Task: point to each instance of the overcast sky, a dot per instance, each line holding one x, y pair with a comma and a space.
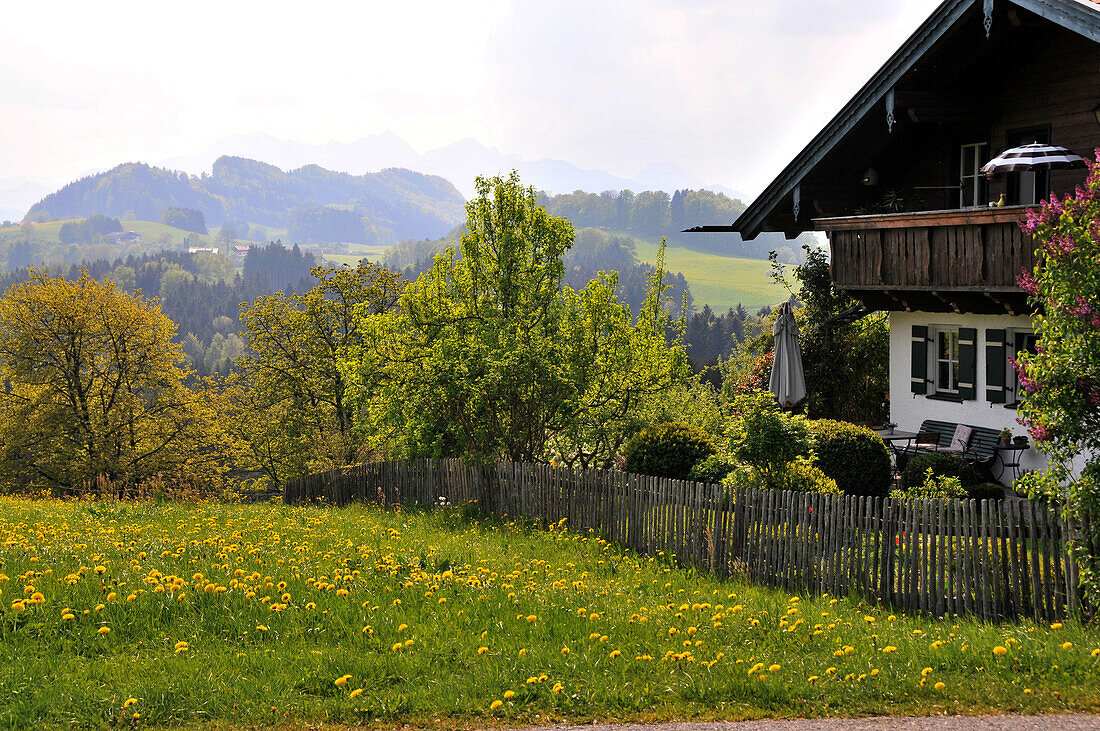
729, 89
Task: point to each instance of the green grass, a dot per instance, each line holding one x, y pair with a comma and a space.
149, 231
719, 281
432, 617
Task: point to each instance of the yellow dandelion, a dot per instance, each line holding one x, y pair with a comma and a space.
531, 618
999, 650
355, 693
396, 646
103, 630
565, 650
509, 694
926, 672
482, 650
615, 654
773, 669
939, 686
558, 688
68, 615
342, 680
1056, 625
496, 704
889, 648
129, 702
402, 627
1067, 645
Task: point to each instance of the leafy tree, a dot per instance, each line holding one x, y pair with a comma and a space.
1062, 378
845, 353
95, 387
490, 357
187, 219
766, 439
297, 417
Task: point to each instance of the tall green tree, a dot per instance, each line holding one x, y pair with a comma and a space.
489, 356
292, 370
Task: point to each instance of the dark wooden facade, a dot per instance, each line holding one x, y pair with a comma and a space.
888, 194
956, 260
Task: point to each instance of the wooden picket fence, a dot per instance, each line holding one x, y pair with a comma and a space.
995, 559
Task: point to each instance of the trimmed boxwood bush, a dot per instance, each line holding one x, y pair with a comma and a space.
941, 464
804, 476
986, 491
667, 450
712, 470
852, 455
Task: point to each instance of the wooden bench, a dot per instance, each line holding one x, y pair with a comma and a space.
979, 452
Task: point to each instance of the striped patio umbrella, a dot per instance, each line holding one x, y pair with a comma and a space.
1035, 156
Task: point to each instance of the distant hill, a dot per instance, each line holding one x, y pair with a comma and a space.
312, 203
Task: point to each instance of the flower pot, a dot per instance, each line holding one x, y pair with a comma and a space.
1005, 441
1020, 441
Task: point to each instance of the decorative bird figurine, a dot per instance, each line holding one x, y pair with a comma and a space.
1001, 201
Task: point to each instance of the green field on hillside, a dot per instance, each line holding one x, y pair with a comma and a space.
719, 281
149, 231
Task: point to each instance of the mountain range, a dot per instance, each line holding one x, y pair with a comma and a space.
310, 202
459, 162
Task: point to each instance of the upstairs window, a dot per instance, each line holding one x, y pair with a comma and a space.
972, 183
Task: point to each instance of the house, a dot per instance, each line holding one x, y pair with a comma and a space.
202, 249
894, 182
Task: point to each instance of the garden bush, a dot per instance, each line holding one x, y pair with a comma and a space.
852, 455
802, 475
986, 491
942, 465
934, 487
765, 438
671, 450
712, 469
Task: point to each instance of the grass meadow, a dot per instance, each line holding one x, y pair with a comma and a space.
719, 281
134, 614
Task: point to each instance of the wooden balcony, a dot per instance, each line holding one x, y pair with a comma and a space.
936, 261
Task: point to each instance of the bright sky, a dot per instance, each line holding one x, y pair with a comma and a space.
729, 89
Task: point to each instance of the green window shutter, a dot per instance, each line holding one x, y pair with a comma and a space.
919, 372
995, 366
968, 363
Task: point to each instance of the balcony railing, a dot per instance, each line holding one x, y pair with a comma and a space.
938, 256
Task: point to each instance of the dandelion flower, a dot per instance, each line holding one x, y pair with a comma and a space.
615, 654
509, 694
342, 680
558, 688
773, 669
355, 693
999, 650
103, 630
482, 650
939, 686
129, 702
1056, 625
926, 672
531, 618
68, 615
889, 648
402, 627
565, 650
1067, 645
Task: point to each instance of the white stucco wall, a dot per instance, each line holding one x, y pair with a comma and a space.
908, 410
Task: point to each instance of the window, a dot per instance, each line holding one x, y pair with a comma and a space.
947, 360
1020, 341
972, 183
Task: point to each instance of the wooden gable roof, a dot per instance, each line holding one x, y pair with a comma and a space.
1079, 16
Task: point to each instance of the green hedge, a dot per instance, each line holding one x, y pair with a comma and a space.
852, 455
942, 464
671, 450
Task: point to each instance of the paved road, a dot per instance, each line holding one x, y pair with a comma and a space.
924, 723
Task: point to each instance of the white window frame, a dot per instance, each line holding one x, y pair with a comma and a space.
1011, 377
972, 178
935, 359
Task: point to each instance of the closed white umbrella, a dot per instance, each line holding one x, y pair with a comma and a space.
788, 381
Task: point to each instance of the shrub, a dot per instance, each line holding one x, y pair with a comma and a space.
986, 491
934, 486
712, 469
802, 475
941, 464
852, 455
671, 450
765, 438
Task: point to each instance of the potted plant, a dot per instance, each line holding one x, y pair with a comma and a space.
888, 427
1020, 441
1006, 437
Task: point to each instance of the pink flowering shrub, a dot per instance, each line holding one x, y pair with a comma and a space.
1061, 408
